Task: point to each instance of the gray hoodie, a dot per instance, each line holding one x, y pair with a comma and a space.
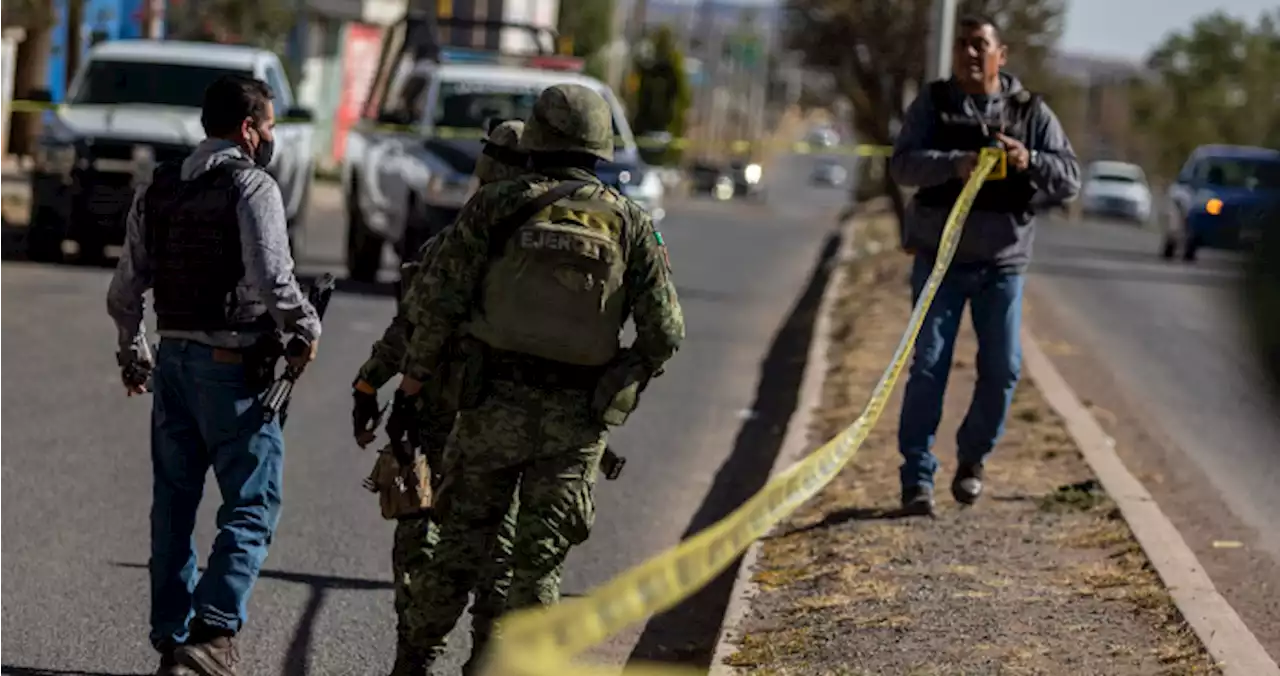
989, 237
264, 242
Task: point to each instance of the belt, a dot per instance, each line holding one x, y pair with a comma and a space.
535, 372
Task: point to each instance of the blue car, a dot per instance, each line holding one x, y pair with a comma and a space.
1221, 199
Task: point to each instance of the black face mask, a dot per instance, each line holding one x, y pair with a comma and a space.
266, 148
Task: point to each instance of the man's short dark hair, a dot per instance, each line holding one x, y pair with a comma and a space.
229, 100
970, 22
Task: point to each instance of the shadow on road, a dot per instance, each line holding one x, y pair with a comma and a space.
295, 659
1180, 275
688, 632
1086, 252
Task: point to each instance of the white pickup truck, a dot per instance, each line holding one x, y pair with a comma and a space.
132, 104
407, 167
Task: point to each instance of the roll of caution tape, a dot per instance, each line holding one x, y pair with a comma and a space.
542, 641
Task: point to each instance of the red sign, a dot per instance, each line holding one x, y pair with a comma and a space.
359, 68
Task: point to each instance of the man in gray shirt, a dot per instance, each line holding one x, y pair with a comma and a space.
945, 129
208, 237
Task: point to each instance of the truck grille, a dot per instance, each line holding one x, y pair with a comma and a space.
115, 149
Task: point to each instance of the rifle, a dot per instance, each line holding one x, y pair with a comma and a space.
276, 400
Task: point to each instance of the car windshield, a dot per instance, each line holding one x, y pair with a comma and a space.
1250, 174
108, 82
469, 105
1114, 178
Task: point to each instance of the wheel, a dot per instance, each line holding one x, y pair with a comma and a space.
91, 251
44, 237
364, 247
1168, 249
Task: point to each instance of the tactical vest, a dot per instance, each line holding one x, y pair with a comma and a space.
554, 290
193, 241
956, 129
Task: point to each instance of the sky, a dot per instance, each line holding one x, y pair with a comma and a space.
1129, 29
1123, 29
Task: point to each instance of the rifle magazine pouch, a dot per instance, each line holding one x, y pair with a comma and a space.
617, 395
403, 490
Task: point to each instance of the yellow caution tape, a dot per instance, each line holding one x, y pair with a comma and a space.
542, 641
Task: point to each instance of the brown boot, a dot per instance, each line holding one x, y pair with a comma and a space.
169, 664
216, 656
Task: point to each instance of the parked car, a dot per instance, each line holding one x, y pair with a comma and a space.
1116, 190
829, 173
706, 178
823, 137
132, 104
1219, 198
407, 168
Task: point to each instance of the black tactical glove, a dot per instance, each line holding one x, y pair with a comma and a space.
365, 415
402, 424
134, 373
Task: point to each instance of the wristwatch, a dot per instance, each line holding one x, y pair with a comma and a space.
1034, 158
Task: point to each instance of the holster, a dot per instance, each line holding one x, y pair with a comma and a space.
617, 393
402, 480
260, 361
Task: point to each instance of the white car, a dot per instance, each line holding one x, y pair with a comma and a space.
407, 167
133, 104
1116, 190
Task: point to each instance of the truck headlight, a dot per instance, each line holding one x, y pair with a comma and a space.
752, 173
55, 158
451, 191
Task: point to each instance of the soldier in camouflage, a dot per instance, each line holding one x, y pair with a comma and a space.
415, 535
539, 273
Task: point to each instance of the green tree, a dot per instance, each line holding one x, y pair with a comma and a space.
662, 96
876, 51
261, 23
1214, 83
589, 25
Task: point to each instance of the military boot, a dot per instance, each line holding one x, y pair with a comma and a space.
209, 655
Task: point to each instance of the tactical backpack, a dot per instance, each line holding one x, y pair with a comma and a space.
554, 286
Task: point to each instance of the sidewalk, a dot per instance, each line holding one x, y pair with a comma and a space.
1041, 577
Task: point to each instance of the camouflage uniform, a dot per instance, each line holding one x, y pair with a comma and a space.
542, 440
415, 537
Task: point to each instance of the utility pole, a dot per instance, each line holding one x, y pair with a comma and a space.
943, 30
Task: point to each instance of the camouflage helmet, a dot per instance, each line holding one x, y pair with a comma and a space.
570, 117
502, 158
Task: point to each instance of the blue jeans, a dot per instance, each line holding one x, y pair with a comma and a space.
995, 303
205, 415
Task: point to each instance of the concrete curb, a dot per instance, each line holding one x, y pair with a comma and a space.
795, 444
1230, 643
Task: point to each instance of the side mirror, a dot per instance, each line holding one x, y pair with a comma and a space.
40, 96
297, 114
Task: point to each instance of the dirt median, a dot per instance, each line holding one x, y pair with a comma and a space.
1041, 577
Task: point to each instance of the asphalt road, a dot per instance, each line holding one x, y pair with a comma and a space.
1160, 349
78, 475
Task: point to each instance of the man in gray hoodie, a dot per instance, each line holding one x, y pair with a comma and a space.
207, 236
937, 149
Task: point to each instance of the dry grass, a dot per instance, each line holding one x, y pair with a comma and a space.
1041, 577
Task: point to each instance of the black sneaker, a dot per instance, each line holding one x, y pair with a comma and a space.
967, 485
917, 501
